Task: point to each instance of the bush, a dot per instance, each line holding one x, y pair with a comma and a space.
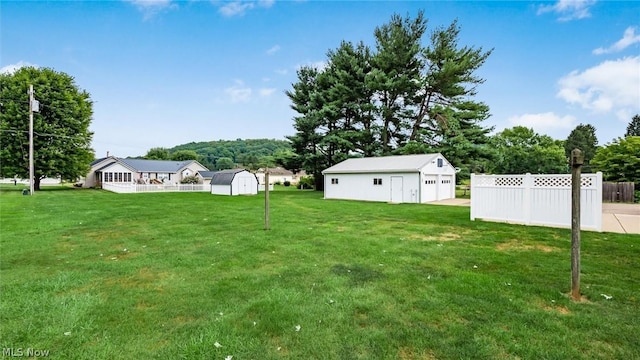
306, 182
636, 196
287, 183
191, 180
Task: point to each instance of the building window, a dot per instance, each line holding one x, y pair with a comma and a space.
429, 182
334, 181
440, 162
377, 181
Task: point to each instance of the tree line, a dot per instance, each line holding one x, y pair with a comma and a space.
225, 154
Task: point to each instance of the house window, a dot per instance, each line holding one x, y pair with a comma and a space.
377, 181
440, 162
429, 182
334, 181
128, 177
110, 177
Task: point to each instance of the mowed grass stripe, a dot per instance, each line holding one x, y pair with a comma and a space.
362, 280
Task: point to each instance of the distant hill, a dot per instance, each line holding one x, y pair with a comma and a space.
250, 153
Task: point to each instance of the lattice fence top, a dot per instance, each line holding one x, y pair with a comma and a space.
509, 181
552, 181
560, 181
497, 180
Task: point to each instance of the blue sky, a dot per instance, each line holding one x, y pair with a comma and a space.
164, 73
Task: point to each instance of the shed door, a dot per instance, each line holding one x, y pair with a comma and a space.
244, 187
396, 189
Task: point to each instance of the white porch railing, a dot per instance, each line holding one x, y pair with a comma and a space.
140, 188
536, 199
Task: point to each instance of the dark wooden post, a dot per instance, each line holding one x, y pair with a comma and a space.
576, 169
266, 200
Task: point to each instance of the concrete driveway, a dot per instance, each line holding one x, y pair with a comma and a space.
621, 218
616, 217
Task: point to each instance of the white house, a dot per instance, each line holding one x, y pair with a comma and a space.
397, 179
279, 175
118, 170
234, 182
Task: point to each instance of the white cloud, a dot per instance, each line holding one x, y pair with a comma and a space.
281, 71
266, 92
239, 92
151, 8
274, 49
612, 86
543, 122
240, 7
12, 68
629, 38
569, 9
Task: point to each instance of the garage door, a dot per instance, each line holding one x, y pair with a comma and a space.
430, 188
446, 187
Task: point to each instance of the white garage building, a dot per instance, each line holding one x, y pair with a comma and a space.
397, 179
234, 182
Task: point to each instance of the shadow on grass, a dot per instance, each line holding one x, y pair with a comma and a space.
357, 274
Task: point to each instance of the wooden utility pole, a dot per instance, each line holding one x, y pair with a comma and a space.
576, 169
266, 200
31, 170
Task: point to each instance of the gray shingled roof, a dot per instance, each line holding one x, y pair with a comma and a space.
399, 163
224, 177
164, 166
206, 174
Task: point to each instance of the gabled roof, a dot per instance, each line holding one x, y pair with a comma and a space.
224, 177
165, 166
398, 163
144, 165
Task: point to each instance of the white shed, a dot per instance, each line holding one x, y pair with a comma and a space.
397, 179
234, 182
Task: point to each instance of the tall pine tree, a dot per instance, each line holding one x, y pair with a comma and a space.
402, 98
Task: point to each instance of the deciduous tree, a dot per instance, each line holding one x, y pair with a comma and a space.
619, 160
521, 150
182, 155
62, 140
157, 153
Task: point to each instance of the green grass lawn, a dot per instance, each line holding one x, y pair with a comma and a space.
88, 274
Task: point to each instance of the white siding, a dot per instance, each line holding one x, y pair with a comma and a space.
361, 187
356, 182
221, 189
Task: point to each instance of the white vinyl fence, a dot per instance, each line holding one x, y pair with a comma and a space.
141, 188
536, 199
